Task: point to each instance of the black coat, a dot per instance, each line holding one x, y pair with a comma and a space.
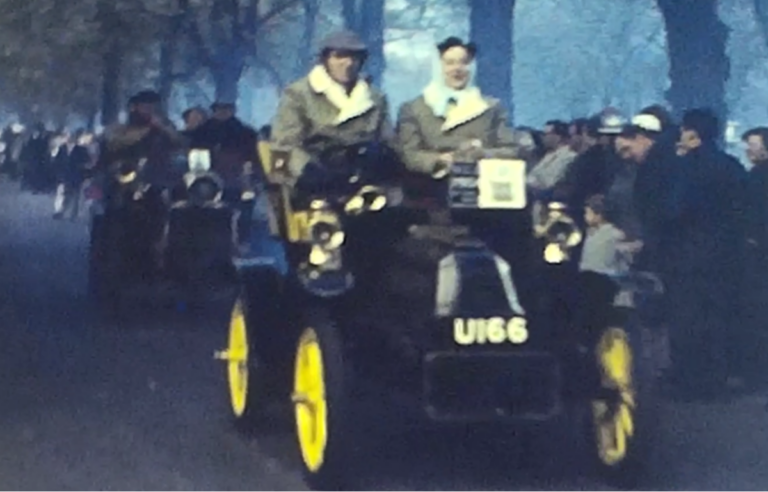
642, 202
231, 143
757, 205
591, 173
70, 166
710, 215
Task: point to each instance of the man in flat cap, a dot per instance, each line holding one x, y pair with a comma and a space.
147, 134
234, 157
332, 106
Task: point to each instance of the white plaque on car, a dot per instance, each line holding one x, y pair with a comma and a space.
501, 184
199, 160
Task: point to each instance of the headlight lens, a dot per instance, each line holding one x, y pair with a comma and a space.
127, 178
560, 232
327, 235
204, 190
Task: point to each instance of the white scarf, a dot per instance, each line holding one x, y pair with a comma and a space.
469, 101
351, 105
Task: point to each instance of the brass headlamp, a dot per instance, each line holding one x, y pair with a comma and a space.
326, 236
560, 232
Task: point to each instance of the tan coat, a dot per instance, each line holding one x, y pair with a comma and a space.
423, 136
316, 113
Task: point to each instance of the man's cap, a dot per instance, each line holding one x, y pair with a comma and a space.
611, 124
647, 122
222, 105
343, 40
145, 97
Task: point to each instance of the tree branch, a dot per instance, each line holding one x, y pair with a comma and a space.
196, 37
761, 13
264, 19
267, 66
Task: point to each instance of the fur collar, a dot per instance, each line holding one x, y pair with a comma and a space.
470, 105
357, 103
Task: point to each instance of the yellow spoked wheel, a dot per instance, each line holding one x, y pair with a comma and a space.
237, 360
614, 422
309, 399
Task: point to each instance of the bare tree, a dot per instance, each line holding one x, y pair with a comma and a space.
491, 28
699, 65
367, 19
225, 38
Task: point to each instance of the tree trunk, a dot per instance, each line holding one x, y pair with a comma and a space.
111, 28
306, 54
491, 23
168, 50
350, 15
699, 65
761, 16
372, 30
226, 79
110, 93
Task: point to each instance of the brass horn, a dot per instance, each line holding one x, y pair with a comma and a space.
368, 199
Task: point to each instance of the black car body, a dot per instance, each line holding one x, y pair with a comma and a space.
474, 310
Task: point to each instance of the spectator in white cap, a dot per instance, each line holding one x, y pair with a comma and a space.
643, 199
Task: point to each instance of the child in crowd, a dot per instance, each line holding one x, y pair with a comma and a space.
605, 250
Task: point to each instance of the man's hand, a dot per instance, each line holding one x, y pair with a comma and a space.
442, 166
157, 121
446, 159
470, 145
630, 247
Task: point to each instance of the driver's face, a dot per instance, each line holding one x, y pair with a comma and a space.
343, 66
194, 119
144, 110
224, 113
455, 62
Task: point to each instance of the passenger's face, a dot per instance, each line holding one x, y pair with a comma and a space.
455, 62
343, 66
550, 139
689, 140
633, 149
194, 119
223, 113
756, 151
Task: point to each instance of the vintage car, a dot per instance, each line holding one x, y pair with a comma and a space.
141, 231
449, 291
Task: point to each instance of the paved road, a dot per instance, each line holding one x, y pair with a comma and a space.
86, 406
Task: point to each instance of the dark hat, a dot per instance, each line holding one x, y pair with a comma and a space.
453, 42
145, 97
222, 105
596, 203
344, 40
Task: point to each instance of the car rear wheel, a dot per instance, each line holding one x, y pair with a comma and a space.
319, 399
104, 266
